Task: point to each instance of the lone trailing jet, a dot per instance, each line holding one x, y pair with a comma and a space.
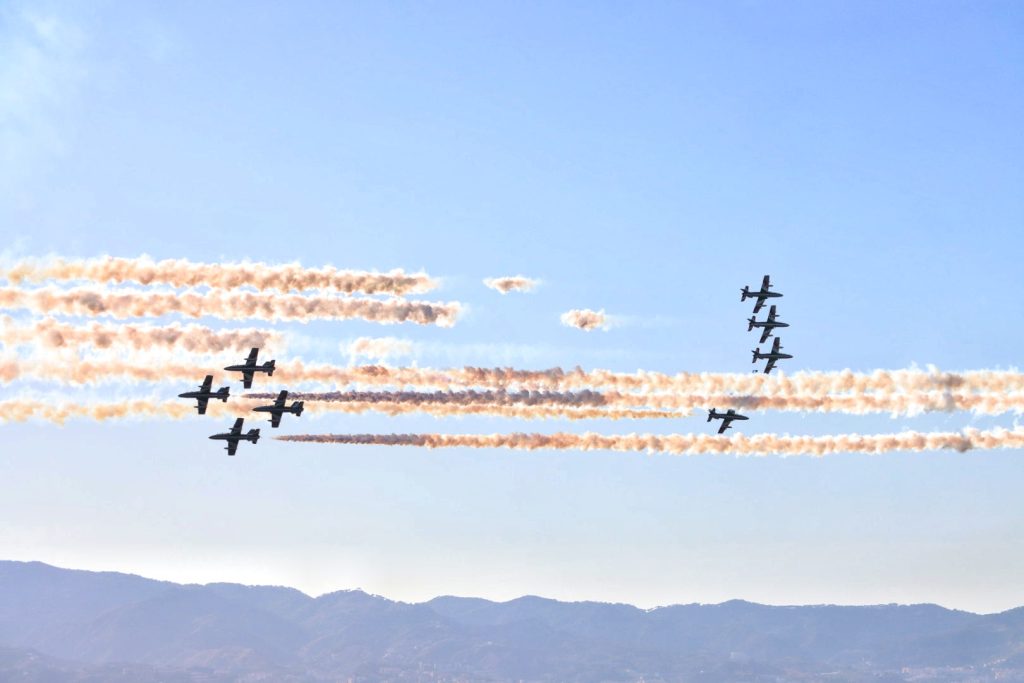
769, 325
761, 295
236, 435
204, 394
772, 355
278, 409
249, 368
726, 418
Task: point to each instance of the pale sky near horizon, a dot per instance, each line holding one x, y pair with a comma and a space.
648, 160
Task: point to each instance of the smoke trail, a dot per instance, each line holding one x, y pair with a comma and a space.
229, 305
586, 319
21, 410
513, 283
857, 404
500, 397
192, 338
184, 273
692, 444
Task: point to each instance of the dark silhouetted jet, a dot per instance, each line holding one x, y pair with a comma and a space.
249, 368
236, 435
278, 409
760, 295
204, 394
726, 418
772, 355
770, 324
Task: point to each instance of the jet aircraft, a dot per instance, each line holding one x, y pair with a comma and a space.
236, 435
761, 295
249, 368
772, 356
769, 325
279, 408
726, 418
204, 394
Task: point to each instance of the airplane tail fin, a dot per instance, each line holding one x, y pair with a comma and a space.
269, 365
298, 408
744, 293
253, 435
710, 412
223, 394
755, 352
750, 323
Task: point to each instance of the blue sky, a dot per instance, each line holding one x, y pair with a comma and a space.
648, 160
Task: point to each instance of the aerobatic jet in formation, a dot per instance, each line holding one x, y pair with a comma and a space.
249, 368
761, 295
236, 435
278, 409
204, 394
726, 418
769, 324
772, 356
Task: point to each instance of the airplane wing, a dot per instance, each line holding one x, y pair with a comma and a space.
202, 405
207, 383
725, 425
765, 333
237, 428
275, 420
281, 398
759, 304
776, 346
771, 363
232, 447
251, 360
247, 379
766, 284
771, 314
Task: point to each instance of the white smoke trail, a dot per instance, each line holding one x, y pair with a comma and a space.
377, 348
53, 334
512, 283
184, 273
228, 305
586, 319
692, 444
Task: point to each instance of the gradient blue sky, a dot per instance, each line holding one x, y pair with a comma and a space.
649, 159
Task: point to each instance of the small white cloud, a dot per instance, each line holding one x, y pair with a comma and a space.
512, 283
378, 349
587, 320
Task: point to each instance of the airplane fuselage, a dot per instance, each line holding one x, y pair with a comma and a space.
772, 324
293, 408
211, 395
722, 416
771, 356
249, 368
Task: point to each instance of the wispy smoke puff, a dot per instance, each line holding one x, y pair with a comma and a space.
692, 444
229, 305
378, 348
50, 333
20, 410
184, 273
512, 283
586, 319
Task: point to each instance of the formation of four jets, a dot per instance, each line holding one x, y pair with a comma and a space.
768, 326
248, 369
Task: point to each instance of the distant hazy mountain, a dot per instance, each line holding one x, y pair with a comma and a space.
65, 625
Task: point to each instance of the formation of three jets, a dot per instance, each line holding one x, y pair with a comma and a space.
248, 369
768, 326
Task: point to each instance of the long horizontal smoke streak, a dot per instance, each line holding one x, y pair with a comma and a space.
691, 444
184, 273
50, 333
226, 304
557, 379
20, 410
858, 404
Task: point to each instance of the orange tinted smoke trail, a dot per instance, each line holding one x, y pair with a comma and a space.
691, 444
50, 333
227, 305
184, 273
